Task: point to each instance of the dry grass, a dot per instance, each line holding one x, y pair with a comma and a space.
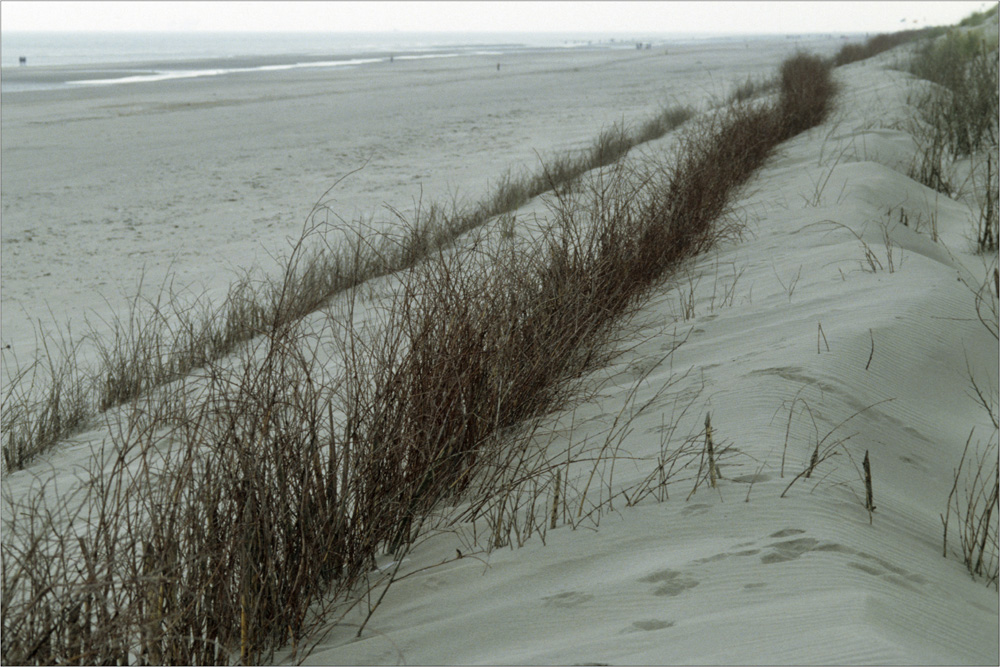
973, 499
157, 341
46, 400
957, 119
877, 44
975, 504
241, 508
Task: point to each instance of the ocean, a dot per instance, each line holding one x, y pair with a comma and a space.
61, 59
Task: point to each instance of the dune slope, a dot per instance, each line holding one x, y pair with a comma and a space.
832, 322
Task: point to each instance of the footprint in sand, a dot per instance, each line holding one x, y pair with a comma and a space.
566, 600
751, 479
696, 508
880, 567
647, 626
723, 556
789, 550
671, 582
787, 532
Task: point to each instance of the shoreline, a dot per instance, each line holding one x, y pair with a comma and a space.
56, 77
16, 79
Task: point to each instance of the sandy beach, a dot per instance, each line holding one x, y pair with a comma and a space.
198, 178
843, 313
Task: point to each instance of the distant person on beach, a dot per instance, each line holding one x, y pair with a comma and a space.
498, 67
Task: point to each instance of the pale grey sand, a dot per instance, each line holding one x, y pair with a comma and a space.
194, 177
737, 575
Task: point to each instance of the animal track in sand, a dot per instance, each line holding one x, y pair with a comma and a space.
435, 582
566, 600
787, 532
671, 582
723, 556
880, 567
796, 375
789, 550
751, 479
653, 624
697, 508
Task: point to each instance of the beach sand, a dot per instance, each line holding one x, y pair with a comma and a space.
198, 176
107, 186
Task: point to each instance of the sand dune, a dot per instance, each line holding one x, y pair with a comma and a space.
791, 334
803, 579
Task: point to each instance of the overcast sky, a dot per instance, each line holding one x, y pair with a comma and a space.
501, 16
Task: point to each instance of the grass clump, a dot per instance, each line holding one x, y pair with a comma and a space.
974, 501
853, 52
751, 89
32, 425
978, 18
806, 90
957, 120
964, 114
